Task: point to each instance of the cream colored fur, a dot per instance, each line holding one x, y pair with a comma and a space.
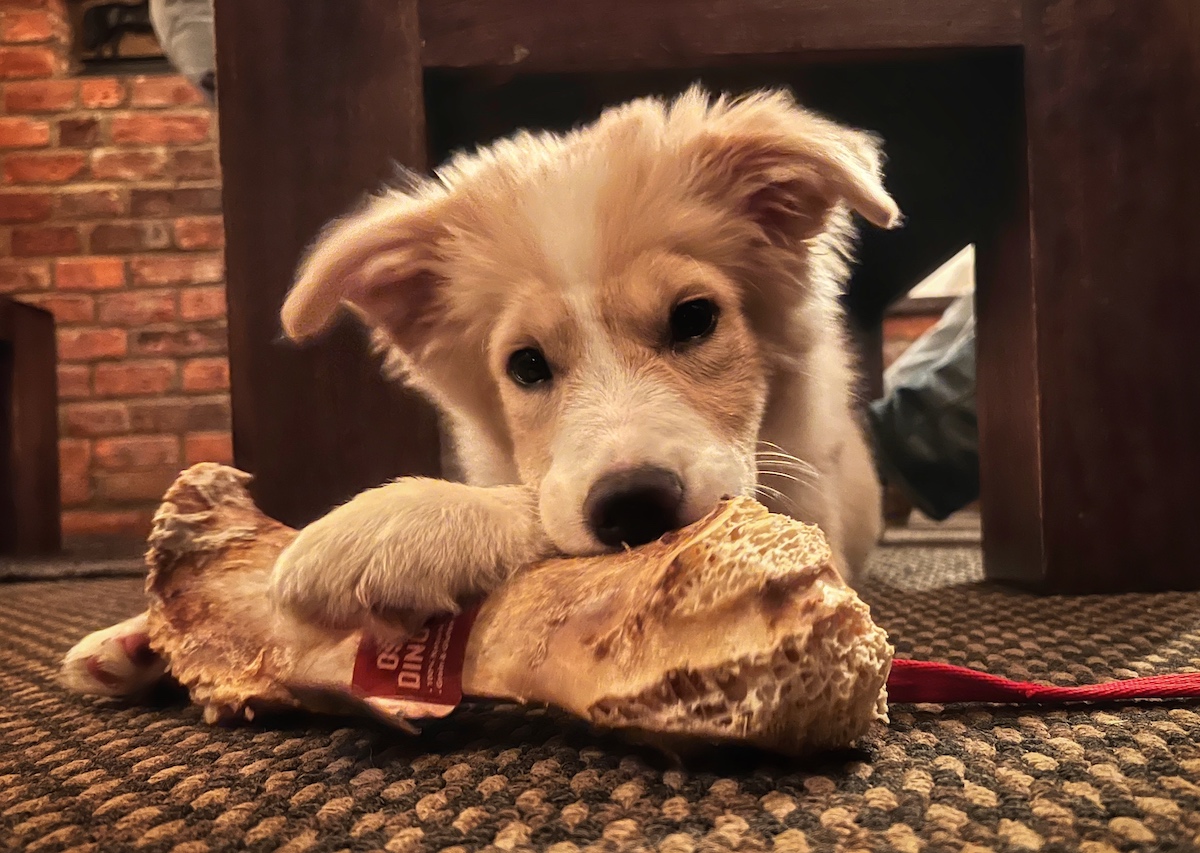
578, 244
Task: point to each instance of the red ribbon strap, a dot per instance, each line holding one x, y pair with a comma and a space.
925, 681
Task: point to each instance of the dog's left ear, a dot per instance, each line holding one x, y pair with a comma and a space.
788, 168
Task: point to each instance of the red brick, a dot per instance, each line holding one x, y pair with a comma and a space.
37, 240
134, 378
206, 374
199, 232
23, 132
74, 470
126, 523
198, 339
67, 308
90, 344
28, 63
25, 207
34, 240
161, 270
44, 168
160, 128
90, 204
28, 25
129, 237
114, 165
22, 276
194, 164
189, 414
57, 6
165, 91
41, 96
136, 452
89, 420
178, 201
138, 308
74, 381
89, 273
79, 132
202, 303
101, 93
208, 447
137, 486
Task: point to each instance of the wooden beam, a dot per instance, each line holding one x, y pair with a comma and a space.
30, 509
317, 102
587, 35
1088, 304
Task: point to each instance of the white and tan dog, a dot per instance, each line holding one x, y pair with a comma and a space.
622, 325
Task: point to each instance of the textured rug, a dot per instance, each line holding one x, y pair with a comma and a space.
49, 568
95, 776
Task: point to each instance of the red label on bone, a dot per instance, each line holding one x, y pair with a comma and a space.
419, 677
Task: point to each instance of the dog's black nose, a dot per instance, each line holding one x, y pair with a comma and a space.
634, 507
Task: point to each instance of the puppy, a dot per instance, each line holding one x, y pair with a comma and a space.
621, 325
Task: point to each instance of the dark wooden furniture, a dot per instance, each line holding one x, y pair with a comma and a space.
30, 522
315, 107
1089, 296
1056, 134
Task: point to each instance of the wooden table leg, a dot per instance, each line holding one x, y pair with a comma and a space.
1089, 294
318, 101
30, 509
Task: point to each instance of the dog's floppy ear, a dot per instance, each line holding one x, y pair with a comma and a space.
380, 263
787, 168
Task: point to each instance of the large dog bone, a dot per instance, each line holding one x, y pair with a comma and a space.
735, 629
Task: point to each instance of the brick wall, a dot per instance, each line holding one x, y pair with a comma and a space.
110, 218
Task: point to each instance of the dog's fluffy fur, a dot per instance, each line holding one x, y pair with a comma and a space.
580, 245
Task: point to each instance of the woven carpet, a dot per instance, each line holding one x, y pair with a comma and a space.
95, 776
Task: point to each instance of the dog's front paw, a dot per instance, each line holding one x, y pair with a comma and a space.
395, 555
351, 569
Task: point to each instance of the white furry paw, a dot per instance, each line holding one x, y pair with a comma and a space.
116, 661
394, 555
370, 560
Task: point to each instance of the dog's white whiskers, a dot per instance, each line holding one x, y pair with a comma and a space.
787, 476
806, 475
786, 461
776, 450
768, 491
765, 460
781, 459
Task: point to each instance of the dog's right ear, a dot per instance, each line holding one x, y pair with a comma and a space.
381, 263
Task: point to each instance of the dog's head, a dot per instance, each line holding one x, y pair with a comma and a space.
605, 310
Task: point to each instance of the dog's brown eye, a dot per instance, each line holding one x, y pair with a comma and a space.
528, 367
693, 320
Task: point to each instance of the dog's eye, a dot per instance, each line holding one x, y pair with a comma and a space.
693, 320
528, 367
